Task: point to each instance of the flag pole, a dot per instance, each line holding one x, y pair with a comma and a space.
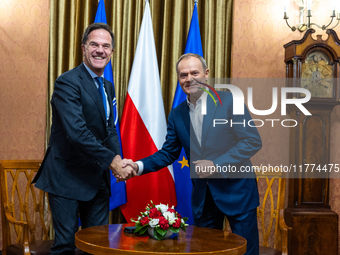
181, 169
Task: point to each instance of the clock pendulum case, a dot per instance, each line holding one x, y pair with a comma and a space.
313, 65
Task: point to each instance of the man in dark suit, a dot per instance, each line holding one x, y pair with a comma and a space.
83, 143
215, 194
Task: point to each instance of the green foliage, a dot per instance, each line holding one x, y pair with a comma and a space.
143, 230
160, 231
157, 235
175, 230
140, 228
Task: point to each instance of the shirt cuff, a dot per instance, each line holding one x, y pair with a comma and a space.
140, 167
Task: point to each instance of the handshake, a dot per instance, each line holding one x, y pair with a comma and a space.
123, 169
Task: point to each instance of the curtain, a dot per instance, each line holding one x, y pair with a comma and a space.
171, 21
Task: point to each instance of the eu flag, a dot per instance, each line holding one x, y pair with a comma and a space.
118, 191
183, 182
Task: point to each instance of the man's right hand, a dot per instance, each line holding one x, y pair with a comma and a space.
123, 173
127, 163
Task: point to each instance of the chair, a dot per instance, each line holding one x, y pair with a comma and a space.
273, 231
26, 216
25, 212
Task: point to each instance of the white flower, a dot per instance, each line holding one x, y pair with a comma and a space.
139, 218
153, 222
162, 208
170, 217
182, 221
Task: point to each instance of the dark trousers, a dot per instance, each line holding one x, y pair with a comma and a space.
244, 224
66, 212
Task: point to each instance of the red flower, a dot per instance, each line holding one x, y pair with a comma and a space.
178, 215
177, 223
144, 221
163, 223
154, 213
171, 210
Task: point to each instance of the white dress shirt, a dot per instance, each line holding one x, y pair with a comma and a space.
196, 116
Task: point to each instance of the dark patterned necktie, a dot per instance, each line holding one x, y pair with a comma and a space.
100, 81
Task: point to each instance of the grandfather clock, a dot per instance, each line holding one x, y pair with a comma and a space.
312, 64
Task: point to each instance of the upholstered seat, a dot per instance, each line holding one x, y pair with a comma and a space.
269, 251
36, 248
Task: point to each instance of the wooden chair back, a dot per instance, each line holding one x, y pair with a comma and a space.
273, 231
25, 212
270, 212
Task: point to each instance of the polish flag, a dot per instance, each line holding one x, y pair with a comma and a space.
143, 126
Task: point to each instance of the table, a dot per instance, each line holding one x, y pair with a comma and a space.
111, 239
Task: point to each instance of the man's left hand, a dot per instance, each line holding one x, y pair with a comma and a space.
205, 167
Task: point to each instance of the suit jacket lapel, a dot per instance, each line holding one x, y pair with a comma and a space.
185, 117
208, 118
89, 85
187, 123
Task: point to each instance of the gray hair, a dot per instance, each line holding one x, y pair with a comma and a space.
188, 55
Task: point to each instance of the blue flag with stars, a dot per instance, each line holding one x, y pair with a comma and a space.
118, 190
183, 182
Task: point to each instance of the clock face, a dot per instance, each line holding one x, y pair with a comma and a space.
317, 75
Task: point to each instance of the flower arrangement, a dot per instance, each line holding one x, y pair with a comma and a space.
160, 221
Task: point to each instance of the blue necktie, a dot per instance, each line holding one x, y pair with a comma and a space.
100, 81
